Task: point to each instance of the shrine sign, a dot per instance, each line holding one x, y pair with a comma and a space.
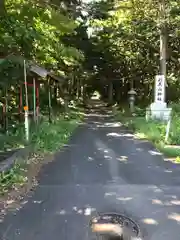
159, 89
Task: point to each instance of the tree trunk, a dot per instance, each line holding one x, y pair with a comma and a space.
2, 8
163, 39
110, 92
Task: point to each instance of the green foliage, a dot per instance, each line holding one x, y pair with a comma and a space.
49, 137
14, 139
35, 32
170, 151
15, 176
46, 138
155, 130
125, 46
175, 126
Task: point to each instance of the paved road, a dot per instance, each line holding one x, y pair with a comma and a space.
105, 169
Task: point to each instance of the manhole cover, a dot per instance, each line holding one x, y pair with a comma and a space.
115, 226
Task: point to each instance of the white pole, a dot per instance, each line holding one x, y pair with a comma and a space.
26, 119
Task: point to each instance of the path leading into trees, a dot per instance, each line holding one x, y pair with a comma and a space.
104, 168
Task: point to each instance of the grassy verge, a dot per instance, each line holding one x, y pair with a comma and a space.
46, 138
49, 137
13, 139
155, 130
13, 178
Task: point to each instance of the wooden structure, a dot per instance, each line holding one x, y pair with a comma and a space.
50, 79
35, 77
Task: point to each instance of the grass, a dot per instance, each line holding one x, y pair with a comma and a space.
154, 130
46, 138
15, 176
170, 151
13, 139
49, 137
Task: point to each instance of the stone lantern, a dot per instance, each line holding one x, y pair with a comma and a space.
132, 93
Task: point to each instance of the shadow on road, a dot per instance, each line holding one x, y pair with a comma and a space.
104, 168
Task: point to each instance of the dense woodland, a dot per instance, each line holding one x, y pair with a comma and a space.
108, 46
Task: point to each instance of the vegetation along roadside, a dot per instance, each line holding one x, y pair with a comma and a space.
46, 139
154, 130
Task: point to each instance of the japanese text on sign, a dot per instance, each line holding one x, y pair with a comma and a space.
159, 88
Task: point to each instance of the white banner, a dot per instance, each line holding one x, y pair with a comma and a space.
159, 89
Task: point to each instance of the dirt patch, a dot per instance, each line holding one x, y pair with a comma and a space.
13, 200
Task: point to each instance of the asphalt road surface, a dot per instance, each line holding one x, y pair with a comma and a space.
104, 168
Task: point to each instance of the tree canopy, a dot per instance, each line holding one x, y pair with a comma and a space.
101, 42
125, 44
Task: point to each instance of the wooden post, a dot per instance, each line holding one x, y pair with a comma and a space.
3, 116
78, 88
37, 102
110, 92
49, 94
6, 110
34, 99
20, 102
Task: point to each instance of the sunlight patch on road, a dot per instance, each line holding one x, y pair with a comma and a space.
62, 212
122, 158
105, 151
82, 211
168, 171
90, 159
166, 203
39, 202
117, 124
113, 164
109, 125
174, 216
124, 198
157, 201
79, 211
113, 134
110, 194
175, 202
150, 221
107, 157
154, 153
139, 149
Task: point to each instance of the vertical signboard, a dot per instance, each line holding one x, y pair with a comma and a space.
159, 89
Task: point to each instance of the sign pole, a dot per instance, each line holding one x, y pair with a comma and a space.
26, 119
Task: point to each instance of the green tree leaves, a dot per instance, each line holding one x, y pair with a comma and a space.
34, 30
126, 41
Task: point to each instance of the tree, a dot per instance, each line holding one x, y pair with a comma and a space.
125, 44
